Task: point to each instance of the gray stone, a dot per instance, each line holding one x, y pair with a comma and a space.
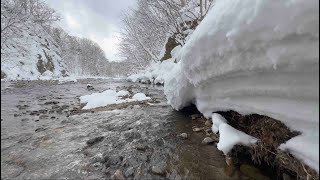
207, 140
183, 135
95, 140
129, 172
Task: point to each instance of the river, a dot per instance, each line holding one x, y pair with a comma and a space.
42, 137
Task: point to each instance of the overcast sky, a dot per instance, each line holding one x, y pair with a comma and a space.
98, 20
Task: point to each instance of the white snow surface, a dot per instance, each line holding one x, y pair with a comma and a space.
156, 72
217, 120
140, 97
108, 97
230, 136
255, 56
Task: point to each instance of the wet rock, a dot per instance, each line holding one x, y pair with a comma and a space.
141, 147
90, 87
51, 102
183, 135
65, 106
159, 169
95, 140
33, 113
118, 175
196, 129
24, 119
252, 172
229, 169
16, 115
129, 172
208, 130
40, 129
43, 111
55, 107
43, 116
114, 160
207, 123
52, 117
51, 111
207, 140
36, 120
195, 116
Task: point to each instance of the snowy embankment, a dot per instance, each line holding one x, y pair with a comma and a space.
109, 97
155, 74
255, 57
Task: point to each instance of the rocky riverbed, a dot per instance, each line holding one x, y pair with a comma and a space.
46, 135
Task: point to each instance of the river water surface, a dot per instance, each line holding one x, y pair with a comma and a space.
42, 139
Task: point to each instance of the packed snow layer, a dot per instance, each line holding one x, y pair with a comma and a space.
156, 73
259, 57
217, 120
109, 97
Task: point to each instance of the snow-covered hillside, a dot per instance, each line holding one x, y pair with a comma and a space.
27, 50
33, 57
255, 57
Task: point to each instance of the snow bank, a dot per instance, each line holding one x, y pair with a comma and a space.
109, 97
156, 73
217, 120
255, 57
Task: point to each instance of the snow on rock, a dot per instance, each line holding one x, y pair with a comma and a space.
255, 57
108, 97
140, 97
230, 136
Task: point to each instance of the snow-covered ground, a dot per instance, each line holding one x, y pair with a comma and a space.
110, 97
255, 57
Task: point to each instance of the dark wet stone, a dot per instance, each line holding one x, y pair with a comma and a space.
52, 117
36, 120
141, 147
55, 107
114, 160
64, 106
40, 129
43, 116
51, 102
43, 111
95, 140
24, 119
16, 115
51, 111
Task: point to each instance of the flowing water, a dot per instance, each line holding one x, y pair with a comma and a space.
42, 139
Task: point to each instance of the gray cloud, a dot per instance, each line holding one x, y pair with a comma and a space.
98, 20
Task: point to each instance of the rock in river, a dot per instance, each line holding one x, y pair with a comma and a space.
95, 140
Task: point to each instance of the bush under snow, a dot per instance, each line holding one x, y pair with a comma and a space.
255, 57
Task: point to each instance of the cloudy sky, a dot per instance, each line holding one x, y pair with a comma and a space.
98, 20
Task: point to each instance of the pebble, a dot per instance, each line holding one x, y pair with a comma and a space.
207, 123
129, 172
207, 140
159, 169
95, 140
197, 129
118, 175
43, 116
183, 135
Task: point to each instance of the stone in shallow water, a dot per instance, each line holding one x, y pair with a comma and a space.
207, 140
159, 169
95, 140
183, 135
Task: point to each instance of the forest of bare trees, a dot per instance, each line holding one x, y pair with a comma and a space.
154, 23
